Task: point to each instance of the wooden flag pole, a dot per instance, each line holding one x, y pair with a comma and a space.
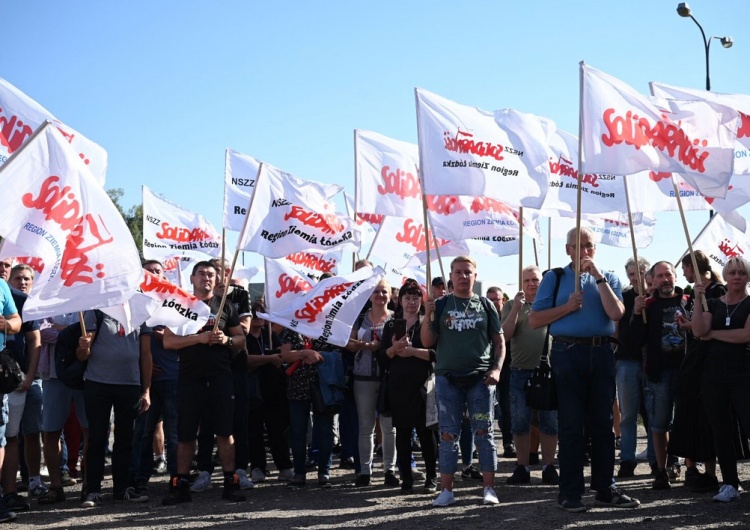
440, 259
83, 324
355, 255
536, 254
577, 258
549, 243
223, 254
520, 248
641, 290
689, 241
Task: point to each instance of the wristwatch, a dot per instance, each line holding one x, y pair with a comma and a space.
601, 280
230, 342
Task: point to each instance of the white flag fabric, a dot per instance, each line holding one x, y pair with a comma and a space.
328, 311
386, 177
289, 215
471, 217
399, 240
468, 151
20, 116
719, 240
54, 209
368, 223
739, 102
283, 285
176, 308
315, 263
170, 230
625, 132
614, 232
240, 172
498, 246
397, 277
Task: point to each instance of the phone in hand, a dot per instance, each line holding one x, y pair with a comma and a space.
399, 328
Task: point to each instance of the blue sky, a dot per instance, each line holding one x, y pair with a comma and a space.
167, 86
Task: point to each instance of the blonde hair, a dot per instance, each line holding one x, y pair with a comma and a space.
463, 259
736, 263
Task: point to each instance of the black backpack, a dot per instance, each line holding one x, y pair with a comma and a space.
69, 369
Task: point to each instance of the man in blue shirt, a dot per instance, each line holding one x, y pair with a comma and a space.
582, 324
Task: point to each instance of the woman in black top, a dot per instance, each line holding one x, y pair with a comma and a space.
725, 383
407, 366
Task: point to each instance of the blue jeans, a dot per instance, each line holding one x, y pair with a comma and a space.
659, 398
163, 407
630, 378
480, 400
520, 413
299, 414
585, 378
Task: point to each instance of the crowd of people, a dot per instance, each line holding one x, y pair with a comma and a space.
432, 371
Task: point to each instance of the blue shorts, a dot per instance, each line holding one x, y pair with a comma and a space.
31, 423
520, 413
56, 400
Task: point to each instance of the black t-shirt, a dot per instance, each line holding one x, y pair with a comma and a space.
737, 314
270, 377
241, 301
202, 360
630, 350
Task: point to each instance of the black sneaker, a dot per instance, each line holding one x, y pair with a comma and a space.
430, 485
131, 495
627, 469
296, 484
407, 489
550, 476
471, 472
362, 481
509, 451
614, 498
572, 506
661, 481
179, 492
521, 475
16, 503
703, 483
391, 479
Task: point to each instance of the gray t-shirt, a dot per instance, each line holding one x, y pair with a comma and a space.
115, 357
527, 343
464, 328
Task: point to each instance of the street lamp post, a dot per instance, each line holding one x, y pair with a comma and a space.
684, 11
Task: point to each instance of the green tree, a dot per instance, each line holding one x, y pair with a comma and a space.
133, 217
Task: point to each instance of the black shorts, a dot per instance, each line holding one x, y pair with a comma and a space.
209, 397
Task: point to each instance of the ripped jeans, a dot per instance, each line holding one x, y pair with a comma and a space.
452, 401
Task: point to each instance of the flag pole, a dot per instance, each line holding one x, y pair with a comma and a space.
689, 241
237, 250
641, 286
439, 259
549, 243
577, 260
536, 254
223, 254
374, 240
355, 254
26, 143
520, 248
424, 201
83, 324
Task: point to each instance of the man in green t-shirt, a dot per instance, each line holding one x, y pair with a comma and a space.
469, 351
527, 345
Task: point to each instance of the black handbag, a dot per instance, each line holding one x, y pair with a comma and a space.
541, 390
11, 375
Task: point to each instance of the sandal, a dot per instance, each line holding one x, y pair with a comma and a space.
52, 496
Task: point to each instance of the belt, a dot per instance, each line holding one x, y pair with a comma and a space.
587, 341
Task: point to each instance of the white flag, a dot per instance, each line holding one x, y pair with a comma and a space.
481, 217
719, 240
387, 181
468, 151
290, 215
239, 182
625, 132
739, 102
177, 309
614, 232
170, 230
328, 311
399, 240
397, 277
283, 285
54, 209
315, 263
20, 116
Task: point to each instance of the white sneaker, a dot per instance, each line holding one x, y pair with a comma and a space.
727, 493
92, 500
445, 498
202, 483
257, 475
489, 497
244, 482
417, 475
286, 475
